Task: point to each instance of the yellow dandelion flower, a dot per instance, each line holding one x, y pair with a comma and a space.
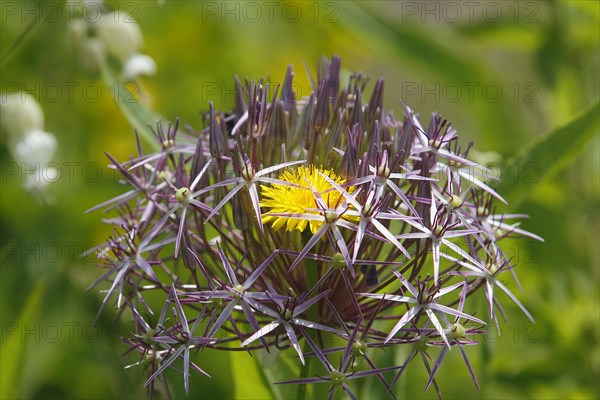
284, 199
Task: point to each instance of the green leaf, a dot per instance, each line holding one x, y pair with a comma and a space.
13, 349
547, 156
417, 47
138, 116
250, 379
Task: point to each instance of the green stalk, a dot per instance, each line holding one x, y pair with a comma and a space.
138, 116
310, 267
268, 379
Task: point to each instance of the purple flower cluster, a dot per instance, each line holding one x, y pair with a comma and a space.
375, 234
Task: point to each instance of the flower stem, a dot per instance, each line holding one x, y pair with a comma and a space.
312, 278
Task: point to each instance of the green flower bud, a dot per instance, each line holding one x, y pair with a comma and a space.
336, 377
239, 289
358, 348
454, 201
287, 314
183, 195
338, 260
421, 344
456, 331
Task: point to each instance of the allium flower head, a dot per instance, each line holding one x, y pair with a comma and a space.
298, 219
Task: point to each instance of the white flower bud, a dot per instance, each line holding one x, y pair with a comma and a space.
121, 34
36, 149
139, 64
20, 113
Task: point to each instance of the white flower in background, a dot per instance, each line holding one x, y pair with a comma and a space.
139, 64
121, 34
36, 148
117, 34
31, 147
36, 151
20, 114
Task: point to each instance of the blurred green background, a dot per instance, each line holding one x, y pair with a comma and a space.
504, 73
